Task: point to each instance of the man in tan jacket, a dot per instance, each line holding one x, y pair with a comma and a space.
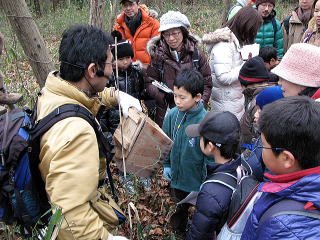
70, 164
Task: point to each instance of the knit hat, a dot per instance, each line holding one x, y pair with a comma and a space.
258, 2
268, 95
300, 65
218, 127
173, 19
124, 48
253, 71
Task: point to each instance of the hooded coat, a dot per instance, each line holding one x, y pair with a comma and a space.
165, 68
70, 164
266, 36
225, 62
147, 30
302, 186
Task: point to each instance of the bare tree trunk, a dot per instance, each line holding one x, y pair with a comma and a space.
112, 14
97, 8
226, 7
37, 8
55, 4
29, 37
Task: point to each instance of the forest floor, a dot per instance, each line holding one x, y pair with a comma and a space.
154, 206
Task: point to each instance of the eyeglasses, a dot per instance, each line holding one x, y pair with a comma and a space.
275, 149
106, 63
173, 34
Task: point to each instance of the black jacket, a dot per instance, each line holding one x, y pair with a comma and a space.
212, 204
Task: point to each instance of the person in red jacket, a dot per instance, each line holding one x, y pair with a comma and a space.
137, 26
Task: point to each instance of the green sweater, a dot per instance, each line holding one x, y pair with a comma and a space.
266, 36
187, 162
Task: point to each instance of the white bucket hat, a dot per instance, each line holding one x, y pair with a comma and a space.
300, 65
173, 19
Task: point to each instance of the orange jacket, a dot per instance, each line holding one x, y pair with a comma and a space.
147, 30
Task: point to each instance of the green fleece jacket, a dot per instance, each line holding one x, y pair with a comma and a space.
266, 36
187, 162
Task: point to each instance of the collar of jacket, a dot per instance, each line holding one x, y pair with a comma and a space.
62, 87
145, 22
193, 112
294, 17
228, 167
295, 176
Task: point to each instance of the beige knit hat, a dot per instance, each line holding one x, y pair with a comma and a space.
173, 19
300, 65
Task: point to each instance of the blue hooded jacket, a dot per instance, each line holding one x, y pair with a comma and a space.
302, 186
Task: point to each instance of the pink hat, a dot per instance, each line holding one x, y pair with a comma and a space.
300, 65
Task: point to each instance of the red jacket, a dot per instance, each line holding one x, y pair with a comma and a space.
147, 30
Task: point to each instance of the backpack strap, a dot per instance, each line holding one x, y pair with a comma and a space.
288, 206
275, 29
75, 110
286, 24
223, 178
195, 59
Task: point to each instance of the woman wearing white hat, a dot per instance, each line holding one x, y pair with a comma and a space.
300, 75
175, 49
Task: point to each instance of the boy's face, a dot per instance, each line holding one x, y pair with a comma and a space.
272, 162
257, 115
124, 63
184, 100
273, 63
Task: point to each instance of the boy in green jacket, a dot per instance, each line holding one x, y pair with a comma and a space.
185, 166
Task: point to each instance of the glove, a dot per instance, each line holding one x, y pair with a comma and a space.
126, 101
111, 237
167, 173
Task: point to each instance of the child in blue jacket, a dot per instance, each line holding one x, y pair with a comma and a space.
219, 137
185, 166
289, 205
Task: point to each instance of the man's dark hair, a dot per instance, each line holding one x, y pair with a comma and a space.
292, 123
267, 53
81, 45
191, 80
228, 151
245, 24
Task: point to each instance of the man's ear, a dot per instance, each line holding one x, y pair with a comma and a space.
288, 160
92, 69
198, 97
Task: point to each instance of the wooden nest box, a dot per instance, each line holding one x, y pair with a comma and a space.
145, 145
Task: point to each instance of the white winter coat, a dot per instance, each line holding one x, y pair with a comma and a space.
225, 63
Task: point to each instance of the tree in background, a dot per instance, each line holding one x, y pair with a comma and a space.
29, 37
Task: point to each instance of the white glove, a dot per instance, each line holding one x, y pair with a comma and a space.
126, 101
111, 237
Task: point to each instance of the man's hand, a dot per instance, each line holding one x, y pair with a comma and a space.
126, 101
167, 173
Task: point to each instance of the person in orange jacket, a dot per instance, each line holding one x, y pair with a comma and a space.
138, 26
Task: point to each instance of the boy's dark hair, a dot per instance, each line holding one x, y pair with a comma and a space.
267, 53
191, 80
227, 151
245, 24
292, 123
81, 45
308, 91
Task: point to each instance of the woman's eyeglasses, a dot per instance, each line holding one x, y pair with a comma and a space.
173, 34
275, 149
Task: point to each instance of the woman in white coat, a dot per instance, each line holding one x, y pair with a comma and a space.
224, 46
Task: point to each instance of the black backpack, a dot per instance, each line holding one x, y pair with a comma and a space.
23, 199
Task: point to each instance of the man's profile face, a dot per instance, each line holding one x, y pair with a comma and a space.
130, 9
265, 9
306, 4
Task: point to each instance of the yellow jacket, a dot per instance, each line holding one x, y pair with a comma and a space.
70, 163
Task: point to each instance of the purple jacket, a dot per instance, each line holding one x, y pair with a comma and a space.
302, 186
